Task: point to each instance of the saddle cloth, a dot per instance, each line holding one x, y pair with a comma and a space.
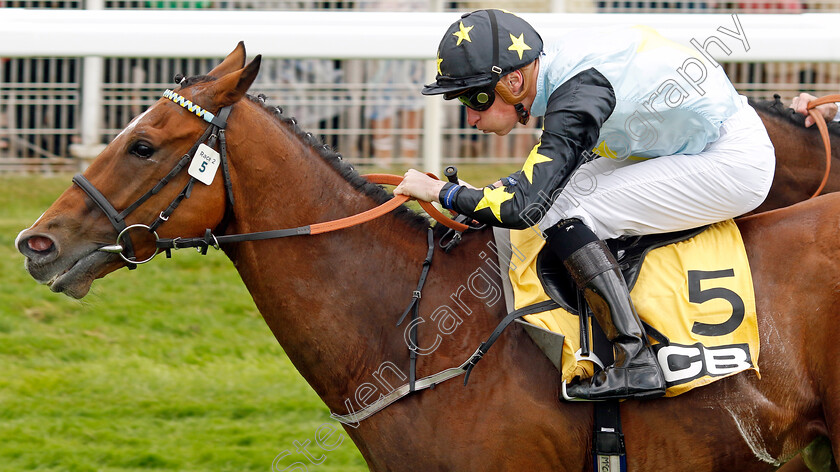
697, 292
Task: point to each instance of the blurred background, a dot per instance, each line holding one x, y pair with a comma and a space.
53, 112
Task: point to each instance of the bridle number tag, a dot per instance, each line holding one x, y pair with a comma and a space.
204, 164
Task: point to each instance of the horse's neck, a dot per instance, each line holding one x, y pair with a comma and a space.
329, 299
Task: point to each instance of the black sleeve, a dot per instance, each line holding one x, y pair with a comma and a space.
575, 112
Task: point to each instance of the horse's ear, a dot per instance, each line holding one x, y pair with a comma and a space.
233, 62
230, 88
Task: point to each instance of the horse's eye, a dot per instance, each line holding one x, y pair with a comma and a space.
142, 150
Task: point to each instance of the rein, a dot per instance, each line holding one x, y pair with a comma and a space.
216, 133
211, 240
820, 121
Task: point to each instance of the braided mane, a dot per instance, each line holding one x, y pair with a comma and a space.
776, 108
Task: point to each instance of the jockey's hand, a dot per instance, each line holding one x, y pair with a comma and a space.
800, 104
420, 186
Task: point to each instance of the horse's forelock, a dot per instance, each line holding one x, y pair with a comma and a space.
196, 79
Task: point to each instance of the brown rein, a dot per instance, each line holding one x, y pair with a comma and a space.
211, 240
820, 121
373, 213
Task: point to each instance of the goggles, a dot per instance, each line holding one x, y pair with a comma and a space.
478, 99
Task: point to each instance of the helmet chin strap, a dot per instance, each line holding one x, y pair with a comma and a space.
524, 115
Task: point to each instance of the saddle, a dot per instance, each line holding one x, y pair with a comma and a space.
693, 290
630, 253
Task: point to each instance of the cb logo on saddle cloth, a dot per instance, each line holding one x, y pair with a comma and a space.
698, 293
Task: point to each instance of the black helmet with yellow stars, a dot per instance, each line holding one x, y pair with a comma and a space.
477, 51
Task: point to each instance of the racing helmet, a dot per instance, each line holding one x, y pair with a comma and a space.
481, 47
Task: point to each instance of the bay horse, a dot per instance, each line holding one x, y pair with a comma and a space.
800, 155
332, 300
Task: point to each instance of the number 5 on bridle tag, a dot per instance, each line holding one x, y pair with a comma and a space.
204, 164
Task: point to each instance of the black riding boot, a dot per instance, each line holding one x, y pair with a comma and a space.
635, 374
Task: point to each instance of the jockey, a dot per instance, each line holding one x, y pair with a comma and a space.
635, 140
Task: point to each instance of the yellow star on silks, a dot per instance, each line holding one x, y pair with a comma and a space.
439, 60
533, 159
518, 44
463, 34
493, 200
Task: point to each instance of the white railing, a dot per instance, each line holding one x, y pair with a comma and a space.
347, 35
366, 35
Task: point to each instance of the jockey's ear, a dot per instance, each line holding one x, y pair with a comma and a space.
514, 81
233, 62
514, 87
230, 88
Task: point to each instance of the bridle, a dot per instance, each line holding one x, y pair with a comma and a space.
214, 134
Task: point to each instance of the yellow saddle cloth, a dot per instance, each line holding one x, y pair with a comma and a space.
698, 293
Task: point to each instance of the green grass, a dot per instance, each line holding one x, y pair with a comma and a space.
145, 374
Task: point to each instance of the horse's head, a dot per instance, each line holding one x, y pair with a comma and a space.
63, 248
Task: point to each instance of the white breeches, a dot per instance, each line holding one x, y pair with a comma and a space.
730, 177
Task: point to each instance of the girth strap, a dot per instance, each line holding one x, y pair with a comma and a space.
608, 439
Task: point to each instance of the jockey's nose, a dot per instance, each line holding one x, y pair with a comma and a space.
472, 116
38, 248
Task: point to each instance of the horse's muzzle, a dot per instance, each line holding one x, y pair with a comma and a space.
38, 248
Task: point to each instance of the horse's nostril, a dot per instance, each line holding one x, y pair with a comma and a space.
40, 244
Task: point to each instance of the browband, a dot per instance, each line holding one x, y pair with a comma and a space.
193, 108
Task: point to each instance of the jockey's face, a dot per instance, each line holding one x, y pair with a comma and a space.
500, 118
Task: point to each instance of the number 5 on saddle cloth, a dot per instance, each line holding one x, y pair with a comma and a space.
692, 289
